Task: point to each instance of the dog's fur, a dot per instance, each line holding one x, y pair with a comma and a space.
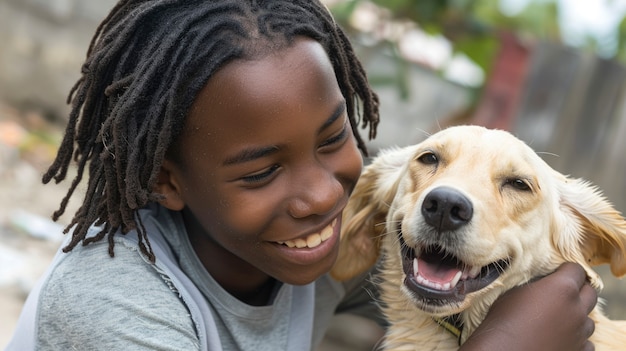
496, 204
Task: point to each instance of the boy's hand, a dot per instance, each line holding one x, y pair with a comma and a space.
551, 313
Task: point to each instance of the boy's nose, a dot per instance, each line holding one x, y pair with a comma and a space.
316, 193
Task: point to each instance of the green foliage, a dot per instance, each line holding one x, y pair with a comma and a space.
472, 26
343, 10
621, 44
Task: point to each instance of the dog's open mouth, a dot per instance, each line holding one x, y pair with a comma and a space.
438, 277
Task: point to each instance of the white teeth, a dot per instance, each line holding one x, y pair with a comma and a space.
434, 285
312, 240
473, 273
328, 231
456, 279
300, 243
438, 286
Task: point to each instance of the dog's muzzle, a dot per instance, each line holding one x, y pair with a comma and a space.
434, 273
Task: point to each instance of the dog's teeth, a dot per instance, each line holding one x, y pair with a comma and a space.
420, 279
473, 273
455, 280
415, 268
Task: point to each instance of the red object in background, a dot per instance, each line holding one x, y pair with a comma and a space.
503, 90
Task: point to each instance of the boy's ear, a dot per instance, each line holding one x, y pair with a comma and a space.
167, 185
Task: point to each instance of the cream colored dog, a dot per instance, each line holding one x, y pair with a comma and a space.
464, 216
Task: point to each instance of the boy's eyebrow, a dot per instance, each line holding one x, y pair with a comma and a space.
250, 154
258, 152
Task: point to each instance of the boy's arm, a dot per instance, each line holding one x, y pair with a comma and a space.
551, 313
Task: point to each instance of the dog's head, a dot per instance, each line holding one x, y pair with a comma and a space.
471, 212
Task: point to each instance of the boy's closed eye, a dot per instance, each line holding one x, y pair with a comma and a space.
262, 176
337, 138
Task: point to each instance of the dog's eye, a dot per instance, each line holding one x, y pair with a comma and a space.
518, 184
428, 158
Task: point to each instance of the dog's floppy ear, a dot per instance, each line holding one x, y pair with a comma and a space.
603, 229
364, 216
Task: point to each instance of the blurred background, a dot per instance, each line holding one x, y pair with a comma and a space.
550, 71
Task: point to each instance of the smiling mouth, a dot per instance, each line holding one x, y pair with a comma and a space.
436, 276
312, 240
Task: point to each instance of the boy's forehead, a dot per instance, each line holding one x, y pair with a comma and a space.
267, 82
284, 63
270, 102
282, 102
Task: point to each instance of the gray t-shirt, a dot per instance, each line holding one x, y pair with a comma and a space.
90, 301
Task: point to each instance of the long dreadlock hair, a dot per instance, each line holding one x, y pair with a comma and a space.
145, 65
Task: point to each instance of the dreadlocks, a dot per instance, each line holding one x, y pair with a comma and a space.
145, 65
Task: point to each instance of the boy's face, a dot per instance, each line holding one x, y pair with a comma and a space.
268, 160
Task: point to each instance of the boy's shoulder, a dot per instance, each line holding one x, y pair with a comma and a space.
88, 293
90, 267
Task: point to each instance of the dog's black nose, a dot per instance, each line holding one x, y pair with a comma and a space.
446, 209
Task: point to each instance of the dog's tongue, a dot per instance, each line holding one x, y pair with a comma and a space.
437, 272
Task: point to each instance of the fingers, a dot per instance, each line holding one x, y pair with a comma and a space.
589, 296
590, 327
575, 272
